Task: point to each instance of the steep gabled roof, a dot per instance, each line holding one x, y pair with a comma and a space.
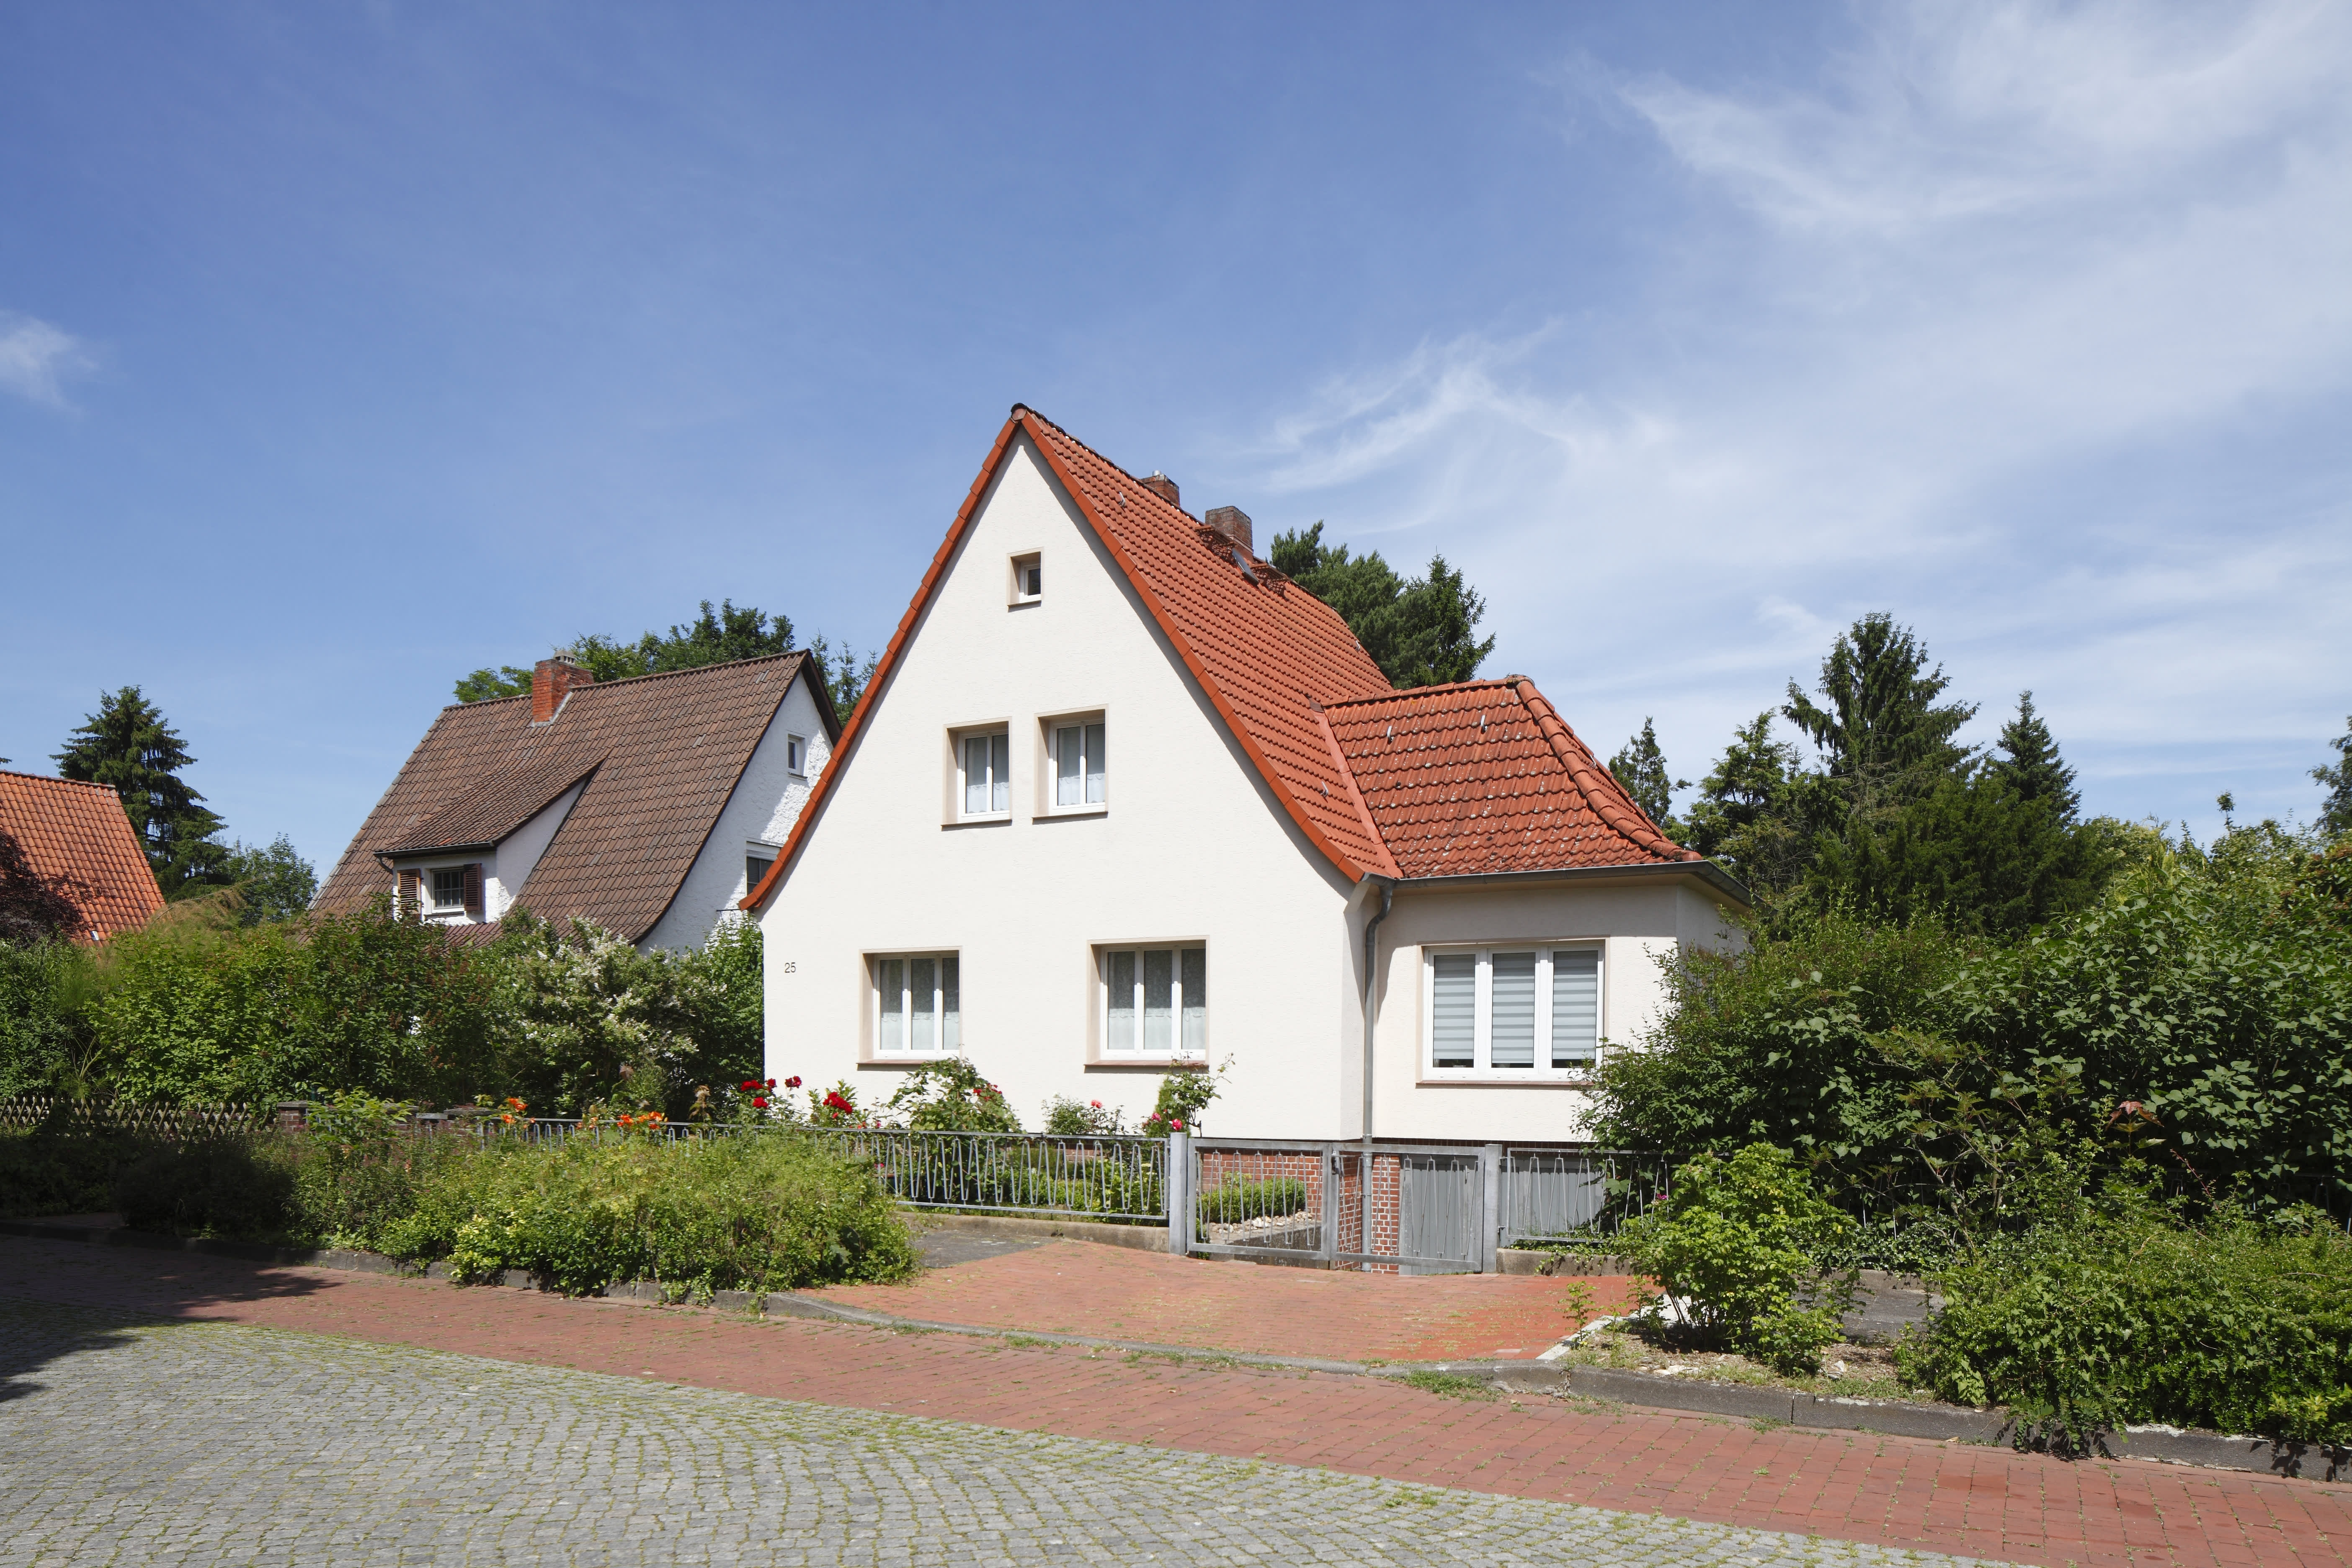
660, 755
77, 833
1483, 777
1288, 679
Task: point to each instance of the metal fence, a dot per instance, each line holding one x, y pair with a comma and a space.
1407, 1208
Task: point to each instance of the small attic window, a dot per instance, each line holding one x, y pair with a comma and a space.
1028, 579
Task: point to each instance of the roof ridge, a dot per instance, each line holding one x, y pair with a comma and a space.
1020, 408
54, 778
649, 674
1497, 683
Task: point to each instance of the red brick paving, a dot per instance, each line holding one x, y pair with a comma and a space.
1896, 1491
1080, 1288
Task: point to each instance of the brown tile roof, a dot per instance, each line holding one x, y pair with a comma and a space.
79, 832
1484, 776
664, 752
1276, 663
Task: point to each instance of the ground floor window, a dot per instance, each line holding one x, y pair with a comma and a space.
1512, 1011
1155, 1000
918, 1004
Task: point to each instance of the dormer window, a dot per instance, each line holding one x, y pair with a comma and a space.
448, 889
1028, 579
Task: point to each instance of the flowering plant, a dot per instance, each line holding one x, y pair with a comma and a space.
837, 1106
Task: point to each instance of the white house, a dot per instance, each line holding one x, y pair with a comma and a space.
1121, 800
649, 805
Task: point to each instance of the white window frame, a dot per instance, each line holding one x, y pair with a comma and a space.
1000, 786
757, 849
1049, 773
1483, 1070
433, 902
1107, 1049
1022, 566
796, 755
940, 1048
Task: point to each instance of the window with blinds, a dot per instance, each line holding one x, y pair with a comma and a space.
1155, 1000
918, 1008
1505, 1013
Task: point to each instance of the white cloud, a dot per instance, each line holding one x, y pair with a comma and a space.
1987, 325
36, 358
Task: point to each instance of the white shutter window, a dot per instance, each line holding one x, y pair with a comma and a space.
1454, 1009
1194, 981
1575, 1006
890, 983
1125, 1001
1511, 1011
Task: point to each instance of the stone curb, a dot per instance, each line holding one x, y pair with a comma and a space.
2166, 1445
1138, 1238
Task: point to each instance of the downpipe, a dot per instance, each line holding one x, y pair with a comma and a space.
1371, 988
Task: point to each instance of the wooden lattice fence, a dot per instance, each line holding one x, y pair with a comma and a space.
174, 1123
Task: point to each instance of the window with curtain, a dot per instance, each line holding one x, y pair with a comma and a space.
917, 1010
986, 772
1512, 1013
1079, 779
1155, 1000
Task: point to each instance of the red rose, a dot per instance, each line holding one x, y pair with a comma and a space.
760, 1100
792, 1083
771, 1083
1178, 1124
749, 1086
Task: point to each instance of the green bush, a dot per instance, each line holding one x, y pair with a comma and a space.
1237, 1198
1733, 1247
950, 1096
238, 1188
2125, 1313
46, 1173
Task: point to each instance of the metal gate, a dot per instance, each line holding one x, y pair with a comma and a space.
1415, 1208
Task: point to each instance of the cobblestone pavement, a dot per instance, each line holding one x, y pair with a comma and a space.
1956, 1498
201, 1443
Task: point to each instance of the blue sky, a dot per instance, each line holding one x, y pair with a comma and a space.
346, 348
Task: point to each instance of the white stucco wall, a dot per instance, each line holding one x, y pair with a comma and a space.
1191, 849
1640, 923
510, 864
766, 802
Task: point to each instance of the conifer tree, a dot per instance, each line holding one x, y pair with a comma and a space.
1420, 633
2029, 762
128, 746
1882, 736
1641, 767
2336, 811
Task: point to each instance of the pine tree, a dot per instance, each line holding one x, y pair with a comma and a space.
1883, 737
2029, 762
1420, 633
2336, 811
128, 746
1642, 768
715, 637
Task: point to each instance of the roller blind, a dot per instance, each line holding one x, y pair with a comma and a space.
1454, 1009
1575, 1006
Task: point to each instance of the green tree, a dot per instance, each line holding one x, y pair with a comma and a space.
846, 676
1642, 768
274, 881
1420, 633
714, 637
2029, 762
1882, 736
128, 746
1756, 809
2336, 811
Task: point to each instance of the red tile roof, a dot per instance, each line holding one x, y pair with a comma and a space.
77, 832
660, 752
1484, 776
1288, 678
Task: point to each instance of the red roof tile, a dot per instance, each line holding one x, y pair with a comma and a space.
1484, 776
77, 832
1296, 690
664, 752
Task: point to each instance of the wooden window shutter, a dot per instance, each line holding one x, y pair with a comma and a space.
473, 890
412, 896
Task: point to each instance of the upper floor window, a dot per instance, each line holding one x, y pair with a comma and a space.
984, 772
1077, 756
1028, 579
757, 859
796, 754
1512, 1011
1155, 1000
918, 1004
448, 888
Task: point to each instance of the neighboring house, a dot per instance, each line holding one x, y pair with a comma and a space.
647, 805
1122, 799
76, 838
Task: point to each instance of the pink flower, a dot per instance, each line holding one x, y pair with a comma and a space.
1096, 1103
1178, 1124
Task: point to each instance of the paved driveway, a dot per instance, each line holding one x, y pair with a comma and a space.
195, 1442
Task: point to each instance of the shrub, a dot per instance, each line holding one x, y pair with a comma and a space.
1068, 1117
2123, 1312
1732, 1248
950, 1096
238, 1188
1182, 1097
1238, 1198
46, 1173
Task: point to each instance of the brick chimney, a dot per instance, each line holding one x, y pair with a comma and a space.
1234, 523
552, 680
1163, 487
